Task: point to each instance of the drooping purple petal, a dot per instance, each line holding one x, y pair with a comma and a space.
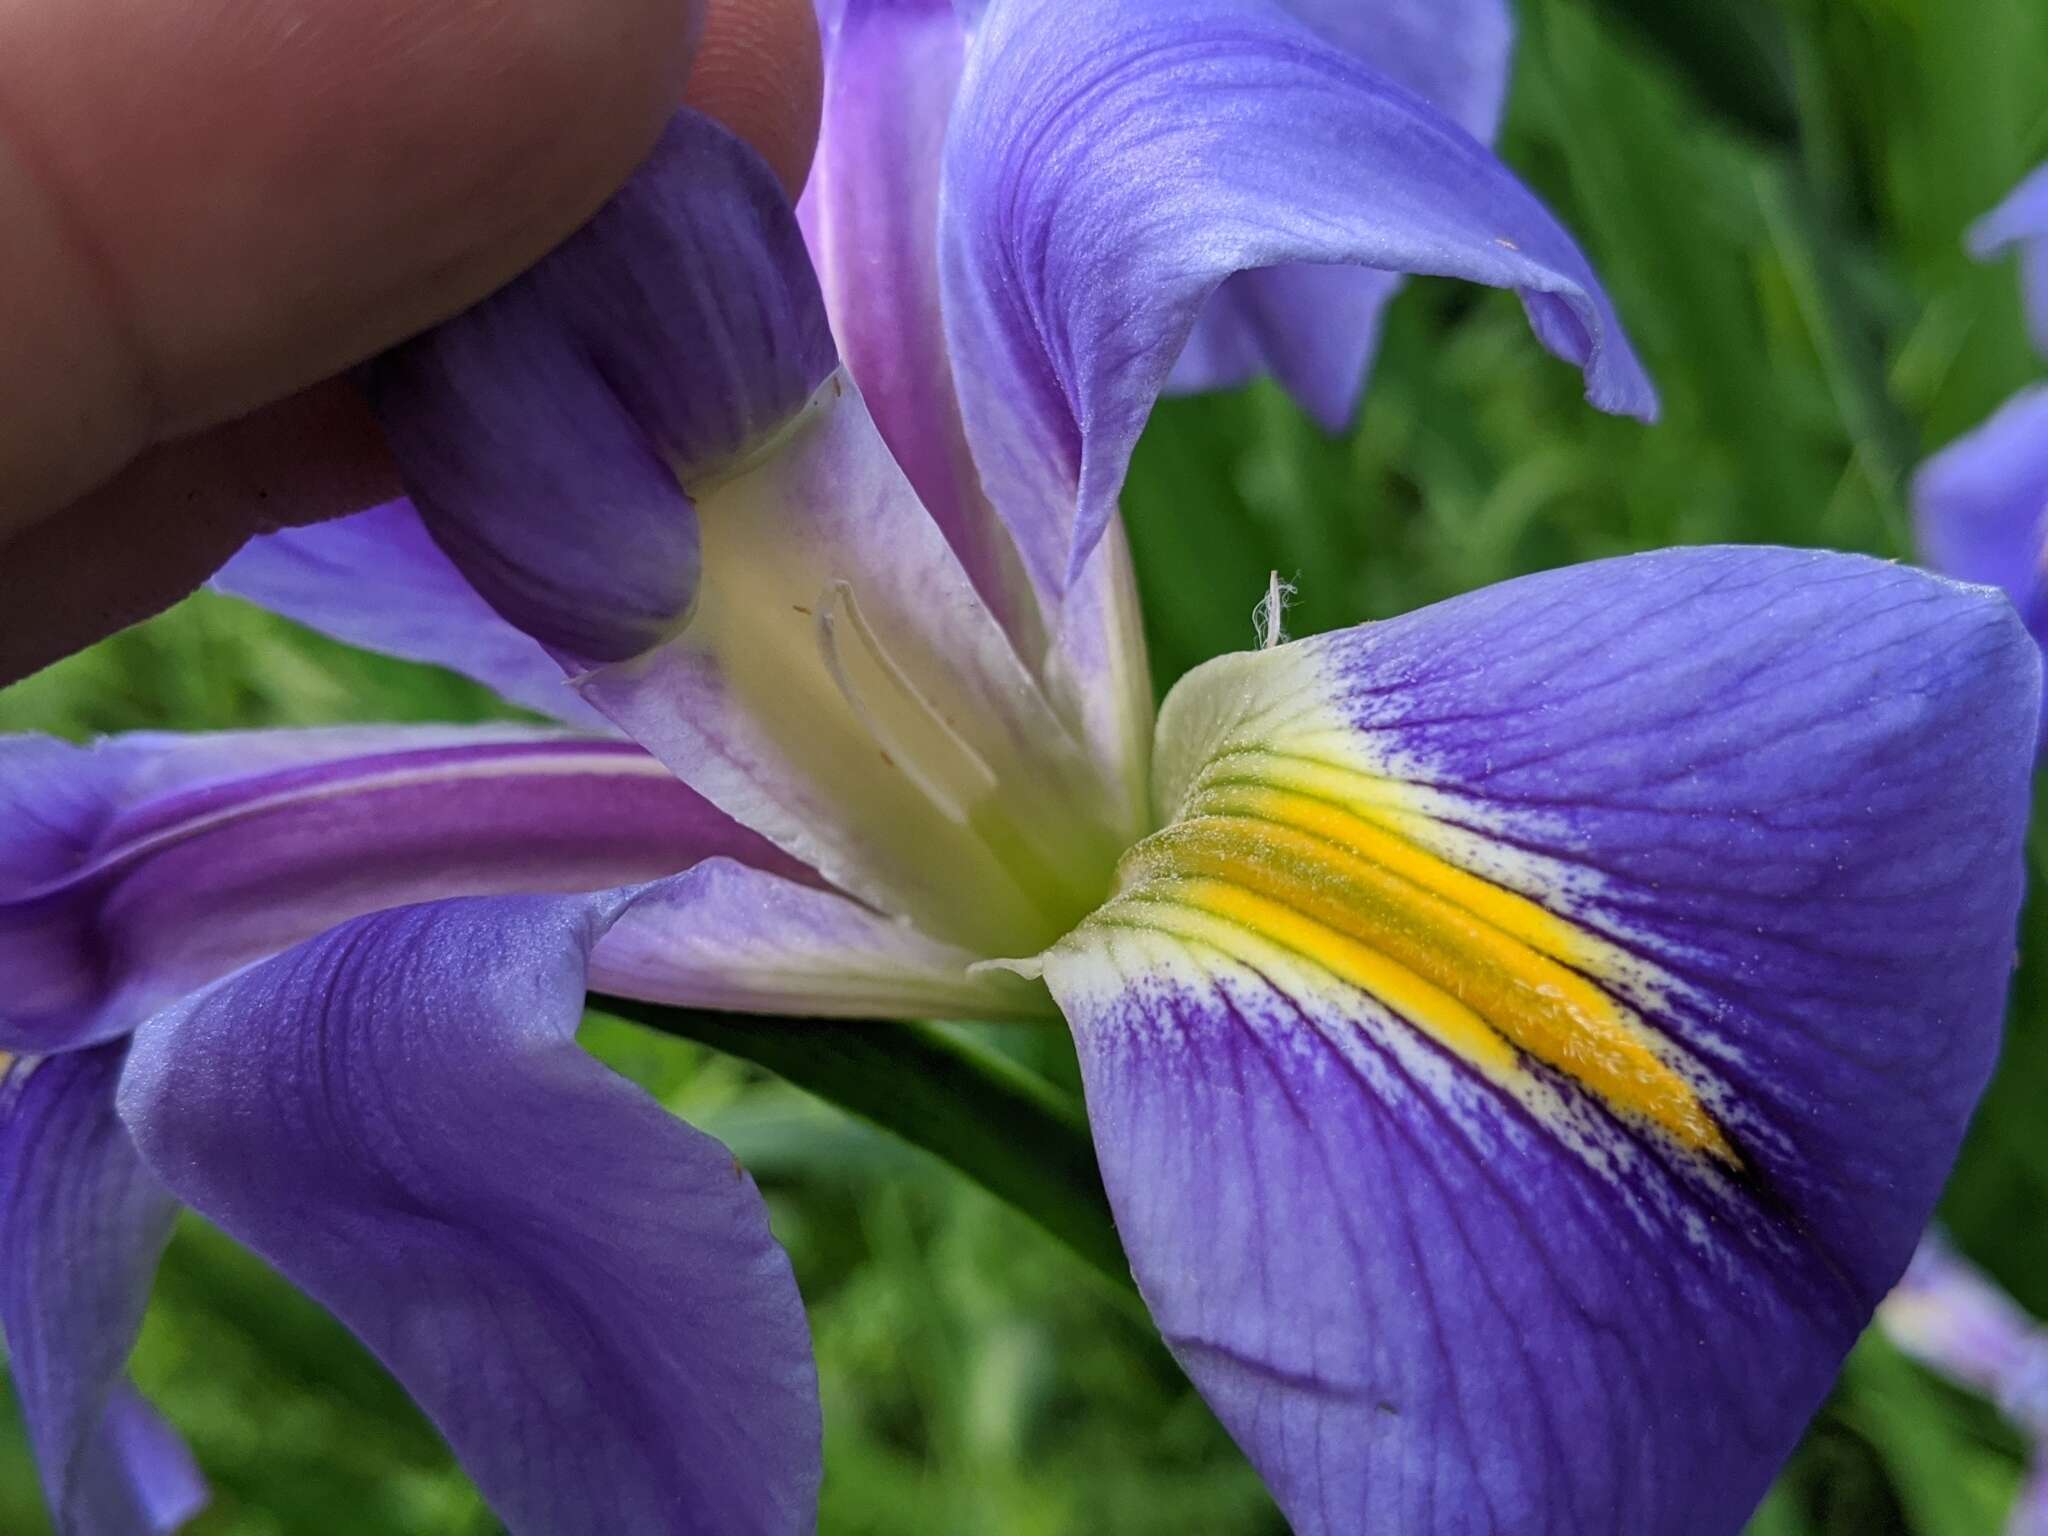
378, 580
1536, 1043
871, 209
1315, 329
548, 434
1110, 165
1980, 506
82, 1225
134, 871
580, 1290
2021, 221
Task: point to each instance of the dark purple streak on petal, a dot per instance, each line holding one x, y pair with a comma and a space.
157, 864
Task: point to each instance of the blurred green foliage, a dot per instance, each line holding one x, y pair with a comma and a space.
1775, 194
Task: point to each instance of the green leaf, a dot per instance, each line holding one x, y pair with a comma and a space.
1952, 1478
1732, 53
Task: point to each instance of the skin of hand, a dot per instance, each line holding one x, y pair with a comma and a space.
210, 208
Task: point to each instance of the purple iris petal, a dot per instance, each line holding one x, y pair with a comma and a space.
725, 936
1953, 1318
543, 434
1980, 506
1109, 165
892, 68
1769, 806
82, 1225
2022, 221
378, 580
580, 1290
1316, 328
133, 872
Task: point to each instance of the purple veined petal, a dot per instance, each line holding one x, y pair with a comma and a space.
135, 871
1537, 1040
378, 580
1316, 329
581, 1291
2022, 221
871, 213
82, 1226
843, 690
1980, 506
547, 435
726, 936
1109, 165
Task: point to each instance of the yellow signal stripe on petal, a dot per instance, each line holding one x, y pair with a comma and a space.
1485, 970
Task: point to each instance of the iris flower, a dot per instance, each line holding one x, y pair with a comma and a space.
1952, 1318
1522, 1039
1981, 504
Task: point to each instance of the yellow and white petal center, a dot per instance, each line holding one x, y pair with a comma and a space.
1295, 851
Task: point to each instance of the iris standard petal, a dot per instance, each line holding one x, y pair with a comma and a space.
547, 435
580, 1290
1538, 1037
378, 580
1109, 165
1980, 506
134, 871
1315, 329
2022, 221
82, 1225
871, 210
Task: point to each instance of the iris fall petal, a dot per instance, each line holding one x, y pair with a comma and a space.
579, 1289
1538, 1037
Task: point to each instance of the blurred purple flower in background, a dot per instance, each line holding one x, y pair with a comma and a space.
1953, 1319
1981, 504
1522, 1039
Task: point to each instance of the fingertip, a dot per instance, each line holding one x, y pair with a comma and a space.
760, 71
260, 195
167, 522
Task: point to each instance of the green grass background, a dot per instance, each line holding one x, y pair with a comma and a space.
1784, 243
